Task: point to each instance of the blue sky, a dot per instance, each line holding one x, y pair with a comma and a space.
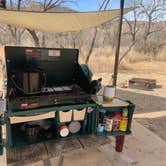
92, 5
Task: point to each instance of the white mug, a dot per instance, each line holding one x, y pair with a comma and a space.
109, 93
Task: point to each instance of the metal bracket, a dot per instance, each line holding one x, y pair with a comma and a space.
2, 122
2, 106
2, 142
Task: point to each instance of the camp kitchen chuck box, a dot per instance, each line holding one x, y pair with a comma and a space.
47, 89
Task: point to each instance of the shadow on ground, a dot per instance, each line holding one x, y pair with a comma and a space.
42, 151
148, 104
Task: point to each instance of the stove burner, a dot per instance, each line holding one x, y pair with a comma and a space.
54, 95
57, 89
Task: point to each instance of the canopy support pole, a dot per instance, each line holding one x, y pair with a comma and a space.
118, 44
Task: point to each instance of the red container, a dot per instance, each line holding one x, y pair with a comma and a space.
119, 143
116, 121
63, 131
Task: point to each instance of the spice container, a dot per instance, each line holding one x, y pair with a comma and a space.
74, 127
125, 112
63, 131
123, 124
108, 124
116, 121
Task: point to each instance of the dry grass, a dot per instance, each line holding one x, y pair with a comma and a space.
102, 59
134, 56
101, 64
162, 55
125, 65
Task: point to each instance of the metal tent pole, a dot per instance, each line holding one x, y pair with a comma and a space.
118, 44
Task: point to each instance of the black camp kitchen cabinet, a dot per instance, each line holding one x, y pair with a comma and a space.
50, 97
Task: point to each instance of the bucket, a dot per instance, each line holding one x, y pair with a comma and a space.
109, 93
32, 133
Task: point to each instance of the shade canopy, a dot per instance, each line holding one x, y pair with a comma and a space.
57, 22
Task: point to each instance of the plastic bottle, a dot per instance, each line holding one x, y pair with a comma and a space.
124, 120
108, 124
116, 121
125, 112
123, 124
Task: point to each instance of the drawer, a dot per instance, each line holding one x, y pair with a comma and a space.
20, 119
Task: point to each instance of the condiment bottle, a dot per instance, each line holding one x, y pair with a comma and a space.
125, 112
116, 121
124, 120
63, 131
123, 124
108, 123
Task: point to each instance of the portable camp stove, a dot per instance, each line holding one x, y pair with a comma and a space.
46, 77
51, 96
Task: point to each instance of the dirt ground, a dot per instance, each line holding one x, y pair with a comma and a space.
150, 105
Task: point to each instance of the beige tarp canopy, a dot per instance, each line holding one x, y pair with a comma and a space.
57, 22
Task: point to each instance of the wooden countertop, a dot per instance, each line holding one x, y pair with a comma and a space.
116, 102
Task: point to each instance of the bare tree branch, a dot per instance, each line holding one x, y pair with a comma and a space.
103, 5
35, 37
152, 10
127, 51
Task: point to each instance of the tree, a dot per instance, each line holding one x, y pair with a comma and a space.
44, 6
132, 29
152, 11
145, 15
15, 32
